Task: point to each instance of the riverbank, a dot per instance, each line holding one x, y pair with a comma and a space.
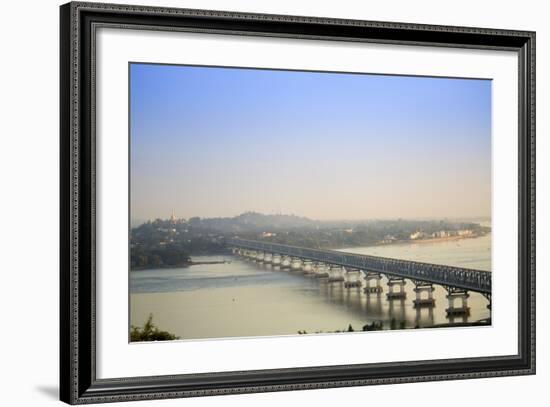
432, 240
184, 265
378, 326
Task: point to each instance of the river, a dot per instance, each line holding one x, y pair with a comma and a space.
242, 298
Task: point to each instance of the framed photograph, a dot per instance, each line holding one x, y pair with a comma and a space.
254, 203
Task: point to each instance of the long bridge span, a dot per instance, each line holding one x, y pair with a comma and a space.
336, 265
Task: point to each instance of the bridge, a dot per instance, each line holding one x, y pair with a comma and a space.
336, 266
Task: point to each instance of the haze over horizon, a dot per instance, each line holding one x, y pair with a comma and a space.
217, 142
137, 222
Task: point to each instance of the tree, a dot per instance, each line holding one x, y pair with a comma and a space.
150, 332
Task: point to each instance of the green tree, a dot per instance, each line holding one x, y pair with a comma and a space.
150, 332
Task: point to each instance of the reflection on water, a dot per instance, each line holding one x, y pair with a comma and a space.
245, 298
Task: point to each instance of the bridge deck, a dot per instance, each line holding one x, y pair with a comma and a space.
458, 277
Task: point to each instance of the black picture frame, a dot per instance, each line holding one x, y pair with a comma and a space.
78, 382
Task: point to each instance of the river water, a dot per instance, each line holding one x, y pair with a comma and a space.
243, 298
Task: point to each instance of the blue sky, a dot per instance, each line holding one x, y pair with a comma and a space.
209, 141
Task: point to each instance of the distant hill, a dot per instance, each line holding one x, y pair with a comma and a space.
253, 221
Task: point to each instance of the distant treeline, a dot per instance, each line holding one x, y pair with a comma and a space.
161, 244
347, 234
172, 255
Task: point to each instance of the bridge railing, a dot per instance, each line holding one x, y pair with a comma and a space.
458, 277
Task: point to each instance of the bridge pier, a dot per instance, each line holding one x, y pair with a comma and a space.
423, 287
457, 294
353, 278
296, 264
314, 269
369, 276
276, 260
307, 267
488, 296
399, 282
260, 257
321, 271
285, 262
335, 274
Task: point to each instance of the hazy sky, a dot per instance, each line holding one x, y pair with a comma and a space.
220, 141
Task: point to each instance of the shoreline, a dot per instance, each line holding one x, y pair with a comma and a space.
414, 241
184, 265
435, 239
198, 263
